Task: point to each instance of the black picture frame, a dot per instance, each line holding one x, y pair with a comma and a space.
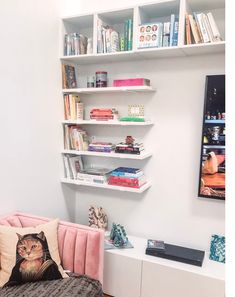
213, 127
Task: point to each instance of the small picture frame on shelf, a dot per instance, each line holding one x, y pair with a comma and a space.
217, 248
136, 110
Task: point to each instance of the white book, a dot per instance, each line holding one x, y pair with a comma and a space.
100, 48
208, 27
108, 40
114, 41
202, 28
214, 28
104, 40
166, 34
68, 173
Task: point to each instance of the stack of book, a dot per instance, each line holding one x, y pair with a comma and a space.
201, 28
127, 177
72, 107
72, 165
75, 44
105, 147
75, 138
94, 175
124, 148
158, 34
109, 40
68, 77
104, 114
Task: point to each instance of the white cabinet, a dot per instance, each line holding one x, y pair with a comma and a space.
131, 273
122, 275
163, 281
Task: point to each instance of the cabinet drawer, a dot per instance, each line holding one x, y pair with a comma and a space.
122, 276
162, 281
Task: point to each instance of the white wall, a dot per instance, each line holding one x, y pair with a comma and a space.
170, 210
31, 110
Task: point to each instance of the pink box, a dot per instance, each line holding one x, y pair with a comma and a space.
131, 82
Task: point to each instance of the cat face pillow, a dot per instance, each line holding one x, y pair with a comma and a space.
29, 254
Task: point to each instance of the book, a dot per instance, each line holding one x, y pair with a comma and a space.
175, 34
166, 34
214, 28
68, 77
125, 35
150, 35
194, 29
131, 82
198, 27
130, 34
187, 30
208, 27
100, 48
199, 17
172, 28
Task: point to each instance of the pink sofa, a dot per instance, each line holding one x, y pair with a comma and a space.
81, 247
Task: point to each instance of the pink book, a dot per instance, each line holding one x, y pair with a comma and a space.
131, 82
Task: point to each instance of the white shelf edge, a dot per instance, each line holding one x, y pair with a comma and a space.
142, 156
133, 89
92, 58
107, 186
109, 123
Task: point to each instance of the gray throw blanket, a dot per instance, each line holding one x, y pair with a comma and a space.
74, 286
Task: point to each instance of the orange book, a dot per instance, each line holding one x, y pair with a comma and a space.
188, 30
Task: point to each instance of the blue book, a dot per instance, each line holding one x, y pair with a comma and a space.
127, 170
172, 29
175, 34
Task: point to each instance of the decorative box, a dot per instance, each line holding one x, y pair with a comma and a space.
131, 82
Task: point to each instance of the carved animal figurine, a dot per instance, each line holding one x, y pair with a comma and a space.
33, 260
98, 218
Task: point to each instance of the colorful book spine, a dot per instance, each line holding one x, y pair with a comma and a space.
187, 30
175, 34
130, 35
126, 35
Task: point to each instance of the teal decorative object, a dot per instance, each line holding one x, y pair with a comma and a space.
217, 249
118, 235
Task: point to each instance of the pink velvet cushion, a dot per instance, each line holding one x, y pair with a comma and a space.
80, 247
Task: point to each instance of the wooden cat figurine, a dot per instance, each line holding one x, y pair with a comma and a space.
33, 260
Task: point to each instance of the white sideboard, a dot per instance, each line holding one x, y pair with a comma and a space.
131, 273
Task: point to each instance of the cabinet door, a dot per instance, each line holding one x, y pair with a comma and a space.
162, 281
122, 275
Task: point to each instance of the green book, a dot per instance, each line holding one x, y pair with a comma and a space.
132, 119
125, 35
130, 35
122, 44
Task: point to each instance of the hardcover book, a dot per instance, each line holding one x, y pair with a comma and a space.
68, 77
149, 35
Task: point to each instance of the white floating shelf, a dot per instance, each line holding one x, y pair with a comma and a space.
109, 123
149, 53
130, 89
106, 186
142, 156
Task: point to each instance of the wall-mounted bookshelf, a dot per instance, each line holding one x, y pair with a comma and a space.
141, 156
131, 89
158, 12
128, 22
107, 186
108, 123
